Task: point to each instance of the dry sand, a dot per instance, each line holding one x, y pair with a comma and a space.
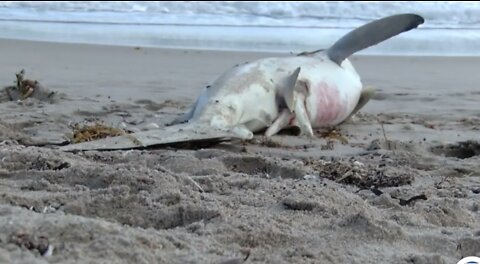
404, 189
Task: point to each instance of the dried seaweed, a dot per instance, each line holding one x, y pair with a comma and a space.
95, 131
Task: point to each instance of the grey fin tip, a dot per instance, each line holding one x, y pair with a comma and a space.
371, 34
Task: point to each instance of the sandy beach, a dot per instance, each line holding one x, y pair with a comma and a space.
400, 185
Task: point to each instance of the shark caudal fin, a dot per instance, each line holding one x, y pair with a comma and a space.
371, 34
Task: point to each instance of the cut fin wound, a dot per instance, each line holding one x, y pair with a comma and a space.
289, 89
371, 34
302, 120
280, 123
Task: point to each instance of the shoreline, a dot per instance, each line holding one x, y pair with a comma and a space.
124, 42
407, 55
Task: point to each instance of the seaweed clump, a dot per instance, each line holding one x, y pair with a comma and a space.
84, 133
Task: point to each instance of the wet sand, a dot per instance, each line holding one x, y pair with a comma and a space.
405, 187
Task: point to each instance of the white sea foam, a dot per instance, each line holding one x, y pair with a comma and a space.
451, 28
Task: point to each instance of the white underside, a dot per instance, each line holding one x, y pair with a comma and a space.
255, 104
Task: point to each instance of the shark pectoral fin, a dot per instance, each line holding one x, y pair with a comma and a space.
301, 117
365, 97
281, 122
289, 89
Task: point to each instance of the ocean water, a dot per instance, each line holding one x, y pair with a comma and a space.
451, 28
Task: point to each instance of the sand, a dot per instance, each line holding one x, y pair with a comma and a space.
404, 188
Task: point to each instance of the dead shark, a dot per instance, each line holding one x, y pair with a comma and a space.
310, 90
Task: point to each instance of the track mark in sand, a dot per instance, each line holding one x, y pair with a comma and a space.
32, 161
113, 186
260, 166
460, 150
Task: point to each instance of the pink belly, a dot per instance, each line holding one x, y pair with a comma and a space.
330, 107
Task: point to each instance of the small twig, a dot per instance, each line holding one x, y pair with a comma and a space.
345, 176
387, 141
417, 197
196, 184
383, 129
404, 202
384, 134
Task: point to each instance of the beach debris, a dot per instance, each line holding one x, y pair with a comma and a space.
310, 177
358, 164
84, 133
334, 134
182, 135
27, 88
48, 209
375, 191
404, 202
414, 198
49, 251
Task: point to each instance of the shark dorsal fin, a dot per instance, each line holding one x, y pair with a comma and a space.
371, 34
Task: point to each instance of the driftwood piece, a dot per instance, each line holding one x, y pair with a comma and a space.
26, 88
